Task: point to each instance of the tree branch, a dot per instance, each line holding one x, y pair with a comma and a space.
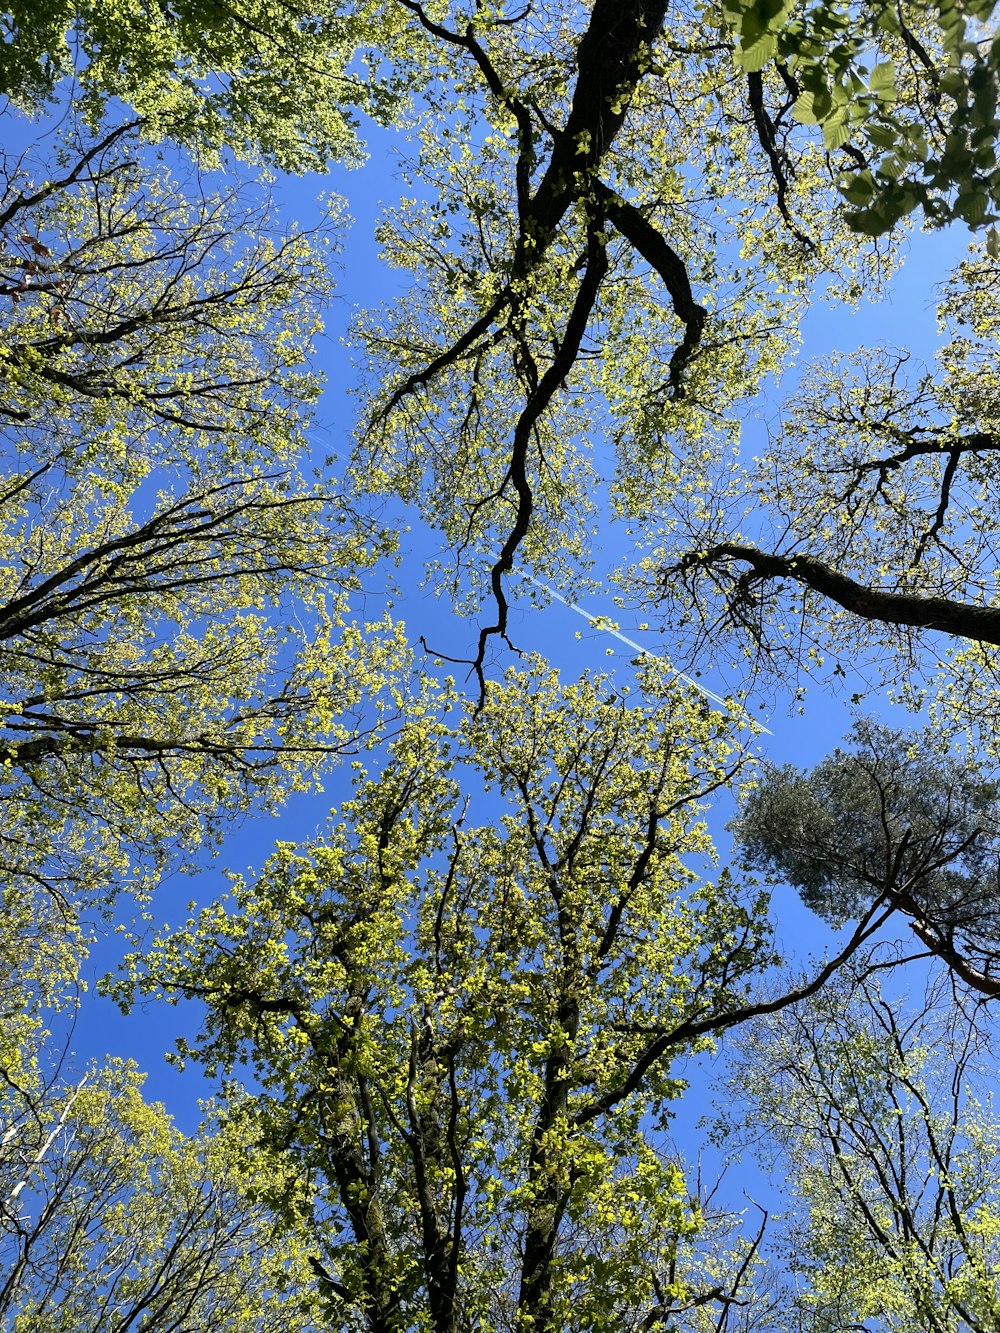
980, 624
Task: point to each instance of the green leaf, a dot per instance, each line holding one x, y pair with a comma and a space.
882, 136
804, 109
754, 58
872, 221
891, 167
883, 77
972, 205
837, 129
858, 188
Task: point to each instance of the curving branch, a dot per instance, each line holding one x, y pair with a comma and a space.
964, 620
517, 471
939, 941
658, 253
715, 1024
466, 345
777, 160
924, 446
525, 130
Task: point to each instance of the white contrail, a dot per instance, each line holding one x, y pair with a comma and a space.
599, 623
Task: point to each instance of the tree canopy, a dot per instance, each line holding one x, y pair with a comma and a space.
871, 1111
175, 641
110, 1220
258, 79
895, 819
881, 543
448, 1033
466, 1034
614, 232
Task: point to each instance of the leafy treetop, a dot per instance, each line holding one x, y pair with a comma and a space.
175, 639
466, 1035
256, 78
895, 818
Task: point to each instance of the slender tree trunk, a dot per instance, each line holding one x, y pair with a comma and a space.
39, 1156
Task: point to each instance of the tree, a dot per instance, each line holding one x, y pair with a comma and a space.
175, 641
612, 236
254, 78
894, 820
613, 233
174, 638
110, 1220
923, 104
868, 524
466, 1037
868, 1109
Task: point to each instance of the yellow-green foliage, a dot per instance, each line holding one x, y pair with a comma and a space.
869, 1111
175, 638
466, 1033
259, 78
110, 1218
